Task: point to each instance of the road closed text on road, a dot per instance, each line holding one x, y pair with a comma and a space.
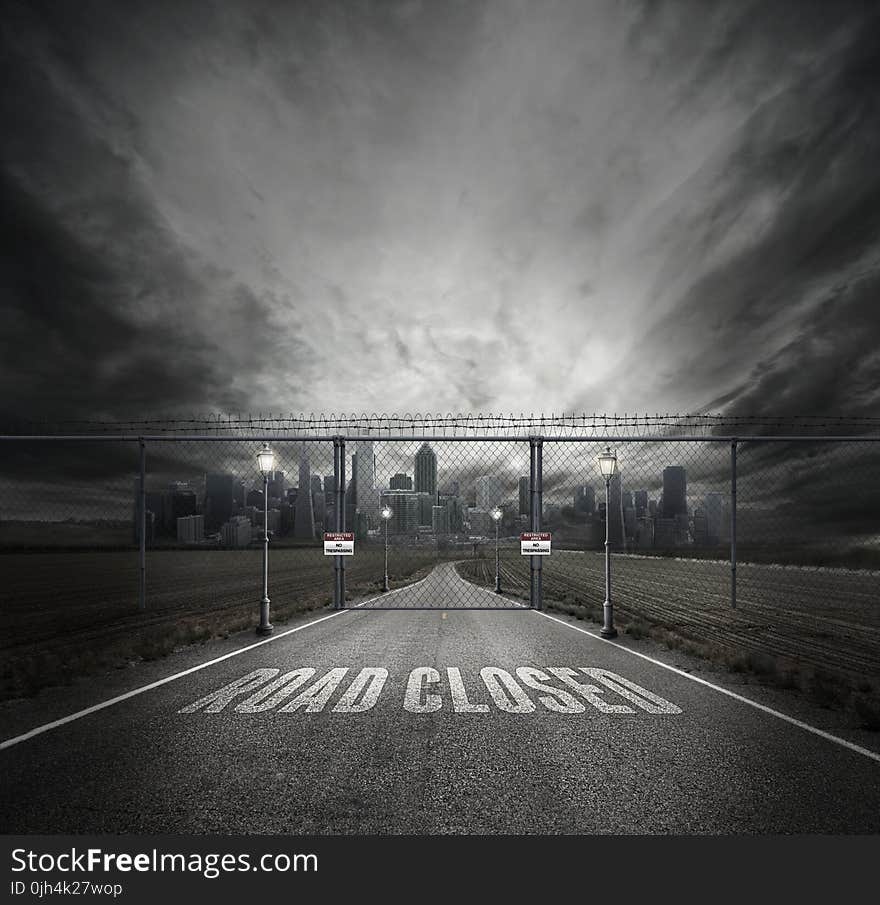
527, 689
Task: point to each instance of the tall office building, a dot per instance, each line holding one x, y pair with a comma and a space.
641, 503
615, 513
351, 492
276, 485
318, 501
181, 503
190, 529
219, 492
426, 470
426, 504
701, 527
440, 520
584, 500
236, 532
329, 502
304, 513
366, 463
664, 533
629, 522
454, 518
487, 492
400, 481
715, 522
674, 491
364, 468
405, 511
480, 521
524, 500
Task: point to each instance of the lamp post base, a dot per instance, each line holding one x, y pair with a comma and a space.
265, 627
608, 630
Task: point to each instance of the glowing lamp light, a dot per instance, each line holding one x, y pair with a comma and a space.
496, 514
607, 463
266, 460
387, 512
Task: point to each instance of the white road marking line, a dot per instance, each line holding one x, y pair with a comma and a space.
731, 694
8, 743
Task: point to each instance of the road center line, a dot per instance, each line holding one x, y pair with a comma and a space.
731, 694
8, 743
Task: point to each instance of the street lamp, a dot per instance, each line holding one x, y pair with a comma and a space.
496, 514
266, 464
608, 468
386, 514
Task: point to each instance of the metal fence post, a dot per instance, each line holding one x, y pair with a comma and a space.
733, 523
142, 527
339, 493
536, 600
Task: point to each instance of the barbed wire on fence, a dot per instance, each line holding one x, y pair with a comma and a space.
462, 425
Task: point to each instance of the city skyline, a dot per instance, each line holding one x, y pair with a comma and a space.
636, 518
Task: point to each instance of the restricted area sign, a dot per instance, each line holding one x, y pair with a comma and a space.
338, 543
534, 543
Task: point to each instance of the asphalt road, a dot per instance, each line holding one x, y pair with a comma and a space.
671, 756
441, 588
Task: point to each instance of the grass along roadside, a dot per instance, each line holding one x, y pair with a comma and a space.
94, 640
834, 689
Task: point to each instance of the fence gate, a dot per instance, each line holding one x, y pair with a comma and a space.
437, 523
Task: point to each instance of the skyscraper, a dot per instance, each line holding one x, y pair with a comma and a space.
426, 470
405, 511
276, 485
304, 513
219, 491
524, 502
351, 492
615, 512
400, 481
440, 519
584, 499
674, 491
364, 473
641, 501
426, 504
487, 491
714, 506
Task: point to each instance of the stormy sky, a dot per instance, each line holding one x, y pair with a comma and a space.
439, 206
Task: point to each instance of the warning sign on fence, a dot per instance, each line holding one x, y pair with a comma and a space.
339, 543
534, 543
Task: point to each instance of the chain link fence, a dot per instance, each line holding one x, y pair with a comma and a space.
759, 545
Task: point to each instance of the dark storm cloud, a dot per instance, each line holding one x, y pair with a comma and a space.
485, 206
